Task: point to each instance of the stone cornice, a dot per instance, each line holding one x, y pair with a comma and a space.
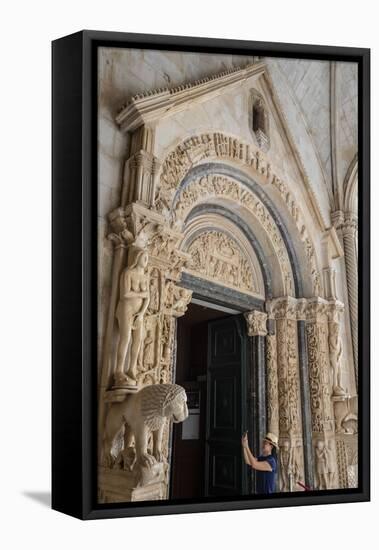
147, 107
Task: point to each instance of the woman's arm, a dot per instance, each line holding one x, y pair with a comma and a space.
262, 466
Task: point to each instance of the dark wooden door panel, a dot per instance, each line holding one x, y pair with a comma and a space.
226, 470
226, 383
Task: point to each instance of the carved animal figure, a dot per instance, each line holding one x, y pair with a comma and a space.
141, 413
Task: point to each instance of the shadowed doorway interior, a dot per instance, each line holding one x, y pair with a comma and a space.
210, 365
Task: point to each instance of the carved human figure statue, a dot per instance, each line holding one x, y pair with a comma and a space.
322, 465
285, 461
332, 466
290, 471
335, 352
131, 308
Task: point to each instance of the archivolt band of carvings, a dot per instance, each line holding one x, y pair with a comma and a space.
196, 149
215, 186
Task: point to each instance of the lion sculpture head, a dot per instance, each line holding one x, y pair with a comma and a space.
160, 401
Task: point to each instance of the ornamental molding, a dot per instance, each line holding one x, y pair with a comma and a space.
152, 105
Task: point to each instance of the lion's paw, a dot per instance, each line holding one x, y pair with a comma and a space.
146, 460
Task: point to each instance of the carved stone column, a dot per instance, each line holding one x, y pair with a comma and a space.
323, 434
304, 392
349, 233
257, 330
284, 311
272, 380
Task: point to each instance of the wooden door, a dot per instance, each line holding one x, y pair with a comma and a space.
225, 470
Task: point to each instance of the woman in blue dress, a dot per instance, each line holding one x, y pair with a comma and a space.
265, 464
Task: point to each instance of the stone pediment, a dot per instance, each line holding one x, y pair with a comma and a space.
156, 104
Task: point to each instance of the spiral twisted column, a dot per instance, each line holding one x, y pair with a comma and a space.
349, 232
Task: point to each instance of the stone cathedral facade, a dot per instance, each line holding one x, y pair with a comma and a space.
233, 178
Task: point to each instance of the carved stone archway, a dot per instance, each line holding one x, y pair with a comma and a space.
210, 190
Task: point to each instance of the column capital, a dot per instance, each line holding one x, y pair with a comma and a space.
335, 308
282, 308
350, 225
337, 218
256, 323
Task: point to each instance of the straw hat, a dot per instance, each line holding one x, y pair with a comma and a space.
272, 439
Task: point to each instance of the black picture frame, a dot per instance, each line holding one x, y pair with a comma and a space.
74, 294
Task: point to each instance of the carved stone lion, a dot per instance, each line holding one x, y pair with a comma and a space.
141, 413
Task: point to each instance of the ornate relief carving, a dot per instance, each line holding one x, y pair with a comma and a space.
272, 385
342, 464
197, 148
290, 466
288, 377
256, 324
284, 310
225, 187
319, 383
335, 354
216, 256
290, 426
144, 412
177, 299
325, 466
347, 458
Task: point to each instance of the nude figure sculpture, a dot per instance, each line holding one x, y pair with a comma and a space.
131, 308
